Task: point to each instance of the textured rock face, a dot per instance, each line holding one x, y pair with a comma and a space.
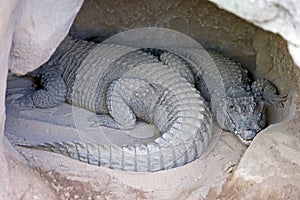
272, 161
265, 54
201, 20
277, 16
6, 30
40, 28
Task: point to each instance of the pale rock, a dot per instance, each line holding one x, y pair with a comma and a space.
7, 21
40, 28
282, 17
270, 168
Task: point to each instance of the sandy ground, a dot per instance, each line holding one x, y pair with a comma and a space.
71, 179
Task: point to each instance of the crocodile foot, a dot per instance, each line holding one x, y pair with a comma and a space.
102, 120
268, 91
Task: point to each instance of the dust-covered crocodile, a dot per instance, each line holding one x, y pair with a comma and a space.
122, 84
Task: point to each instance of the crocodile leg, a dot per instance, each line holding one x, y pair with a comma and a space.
267, 90
127, 100
103, 120
53, 93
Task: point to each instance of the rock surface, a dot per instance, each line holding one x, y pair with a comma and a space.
201, 20
7, 21
270, 168
282, 17
40, 27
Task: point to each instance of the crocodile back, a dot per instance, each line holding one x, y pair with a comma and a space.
104, 64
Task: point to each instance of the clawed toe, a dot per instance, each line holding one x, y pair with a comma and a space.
95, 125
277, 100
102, 120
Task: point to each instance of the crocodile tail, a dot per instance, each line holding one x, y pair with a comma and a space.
159, 155
187, 135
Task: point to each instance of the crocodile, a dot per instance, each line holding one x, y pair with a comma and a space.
122, 84
237, 103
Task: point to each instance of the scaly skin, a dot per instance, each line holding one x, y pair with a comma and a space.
113, 81
238, 105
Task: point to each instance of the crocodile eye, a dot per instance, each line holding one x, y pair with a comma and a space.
231, 106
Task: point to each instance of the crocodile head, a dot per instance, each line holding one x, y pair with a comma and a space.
245, 117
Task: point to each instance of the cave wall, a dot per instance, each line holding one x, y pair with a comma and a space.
203, 21
282, 17
39, 29
263, 53
6, 30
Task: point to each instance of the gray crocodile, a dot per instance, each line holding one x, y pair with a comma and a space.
236, 103
122, 84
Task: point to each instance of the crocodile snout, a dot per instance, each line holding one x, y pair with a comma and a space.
246, 134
